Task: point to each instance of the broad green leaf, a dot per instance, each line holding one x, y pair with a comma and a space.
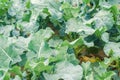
116, 77
102, 73
20, 44
86, 1
17, 78
3, 41
69, 11
74, 25
28, 3
4, 6
96, 71
26, 16
75, 11
30, 53
90, 76
108, 75
16, 70
66, 71
38, 41
6, 30
4, 59
103, 19
23, 60
12, 54
59, 55
86, 68
40, 67
115, 12
108, 4
72, 59
8, 54
17, 9
105, 37
114, 47
77, 42
55, 42
8, 51
54, 9
7, 76
37, 2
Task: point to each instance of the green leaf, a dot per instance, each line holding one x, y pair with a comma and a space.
108, 75
38, 41
6, 30
66, 71
55, 42
40, 67
86, 68
4, 59
28, 4
108, 4
8, 54
59, 54
75, 11
16, 70
7, 76
104, 18
115, 47
105, 37
27, 16
12, 54
74, 25
3, 40
17, 78
115, 12
86, 1
69, 11
30, 53
77, 42
4, 6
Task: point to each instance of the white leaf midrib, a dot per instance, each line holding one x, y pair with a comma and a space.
6, 54
41, 44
